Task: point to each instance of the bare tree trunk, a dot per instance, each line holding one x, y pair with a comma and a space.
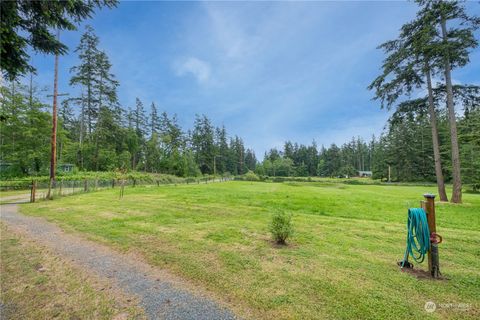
98, 120
436, 144
457, 180
30, 98
82, 129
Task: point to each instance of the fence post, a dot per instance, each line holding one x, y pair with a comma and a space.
122, 188
433, 260
113, 183
61, 187
85, 185
33, 191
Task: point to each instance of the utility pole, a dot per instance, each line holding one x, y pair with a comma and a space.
53, 156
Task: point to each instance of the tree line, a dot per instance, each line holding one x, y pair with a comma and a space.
432, 135
117, 139
403, 152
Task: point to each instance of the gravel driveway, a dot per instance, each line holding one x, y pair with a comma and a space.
160, 294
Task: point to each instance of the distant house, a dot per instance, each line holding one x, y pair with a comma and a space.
65, 167
364, 174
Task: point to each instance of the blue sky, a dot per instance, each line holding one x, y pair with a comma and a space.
268, 71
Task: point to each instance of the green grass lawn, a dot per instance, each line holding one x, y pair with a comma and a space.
340, 264
11, 193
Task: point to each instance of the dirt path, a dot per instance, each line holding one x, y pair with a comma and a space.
163, 296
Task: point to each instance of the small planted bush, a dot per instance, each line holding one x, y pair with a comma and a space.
281, 227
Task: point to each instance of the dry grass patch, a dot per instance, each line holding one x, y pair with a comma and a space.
36, 284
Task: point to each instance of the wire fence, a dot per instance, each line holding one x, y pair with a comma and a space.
13, 190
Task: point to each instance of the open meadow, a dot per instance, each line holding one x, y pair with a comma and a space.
339, 264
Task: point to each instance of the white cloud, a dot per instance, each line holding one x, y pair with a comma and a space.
227, 27
198, 68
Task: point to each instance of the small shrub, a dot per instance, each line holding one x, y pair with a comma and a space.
281, 227
251, 176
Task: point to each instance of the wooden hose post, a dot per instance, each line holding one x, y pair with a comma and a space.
433, 258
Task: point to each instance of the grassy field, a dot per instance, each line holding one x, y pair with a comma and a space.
39, 285
11, 193
340, 264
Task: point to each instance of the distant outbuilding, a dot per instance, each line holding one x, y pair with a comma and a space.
65, 167
365, 174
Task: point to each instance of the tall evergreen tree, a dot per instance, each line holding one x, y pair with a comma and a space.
154, 120
221, 146
106, 84
203, 143
411, 60
139, 119
454, 46
85, 76
250, 160
98, 98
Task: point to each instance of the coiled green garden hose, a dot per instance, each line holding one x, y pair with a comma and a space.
418, 236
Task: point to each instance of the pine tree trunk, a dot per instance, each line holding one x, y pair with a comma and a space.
436, 145
457, 182
89, 102
98, 121
82, 129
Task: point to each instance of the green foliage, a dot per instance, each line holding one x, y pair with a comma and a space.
281, 227
100, 135
203, 143
469, 136
25, 24
249, 176
25, 130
